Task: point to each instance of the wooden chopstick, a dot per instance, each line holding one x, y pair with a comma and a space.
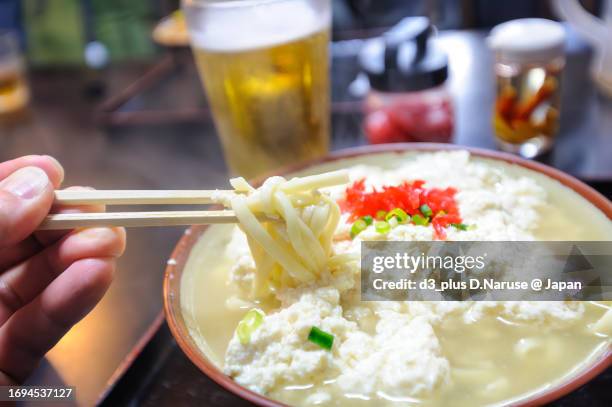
137, 197
184, 197
136, 219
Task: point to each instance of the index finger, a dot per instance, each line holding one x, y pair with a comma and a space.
48, 237
48, 164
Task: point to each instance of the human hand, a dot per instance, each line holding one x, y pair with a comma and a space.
48, 280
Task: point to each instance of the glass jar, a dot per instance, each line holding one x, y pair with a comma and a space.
408, 100
529, 59
425, 115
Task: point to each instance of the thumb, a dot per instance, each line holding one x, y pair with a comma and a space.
26, 197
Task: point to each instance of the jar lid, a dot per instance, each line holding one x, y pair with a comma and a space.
528, 40
404, 59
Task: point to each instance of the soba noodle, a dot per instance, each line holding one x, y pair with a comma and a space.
297, 247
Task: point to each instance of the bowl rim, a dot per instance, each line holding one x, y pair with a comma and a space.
180, 254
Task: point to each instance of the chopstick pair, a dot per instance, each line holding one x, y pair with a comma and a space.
169, 197
137, 219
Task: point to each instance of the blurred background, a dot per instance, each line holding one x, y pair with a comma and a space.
110, 88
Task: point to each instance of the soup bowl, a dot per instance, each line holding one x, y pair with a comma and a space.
180, 255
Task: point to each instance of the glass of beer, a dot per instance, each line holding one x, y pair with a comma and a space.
265, 68
14, 91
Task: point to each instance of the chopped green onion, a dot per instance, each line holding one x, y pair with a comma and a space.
380, 215
359, 226
251, 321
321, 338
382, 227
367, 219
460, 226
426, 210
419, 220
398, 213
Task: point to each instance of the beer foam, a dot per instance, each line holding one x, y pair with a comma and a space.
233, 28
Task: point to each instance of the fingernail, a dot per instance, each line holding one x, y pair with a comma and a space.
26, 183
57, 165
97, 233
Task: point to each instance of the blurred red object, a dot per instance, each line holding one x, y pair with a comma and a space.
380, 129
412, 116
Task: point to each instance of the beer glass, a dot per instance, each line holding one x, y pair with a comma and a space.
265, 68
14, 91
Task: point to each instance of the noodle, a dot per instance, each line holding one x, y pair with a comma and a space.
297, 247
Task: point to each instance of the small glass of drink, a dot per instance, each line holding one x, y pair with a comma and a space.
265, 68
14, 90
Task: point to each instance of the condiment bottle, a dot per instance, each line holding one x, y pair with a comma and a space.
529, 58
408, 99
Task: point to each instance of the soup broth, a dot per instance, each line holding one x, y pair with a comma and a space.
492, 360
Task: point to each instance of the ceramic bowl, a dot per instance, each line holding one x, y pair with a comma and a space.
181, 253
